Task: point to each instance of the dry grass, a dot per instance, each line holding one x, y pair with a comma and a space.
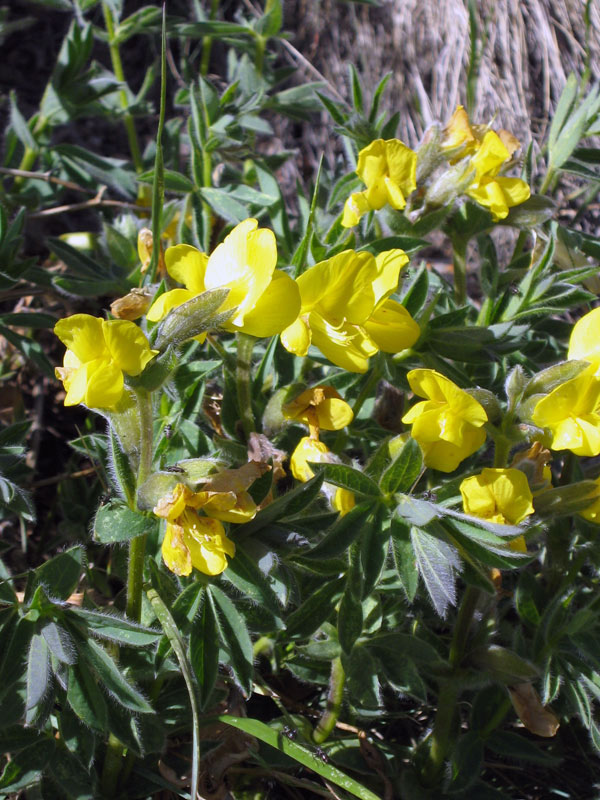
529, 47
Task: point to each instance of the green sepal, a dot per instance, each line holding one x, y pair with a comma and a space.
192, 318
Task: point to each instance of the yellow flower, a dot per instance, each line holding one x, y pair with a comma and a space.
448, 425
198, 541
98, 353
266, 300
345, 312
502, 496
309, 449
321, 408
389, 169
495, 192
584, 343
572, 414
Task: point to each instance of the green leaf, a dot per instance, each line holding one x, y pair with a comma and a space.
116, 629
123, 472
408, 645
112, 677
404, 471
85, 698
437, 562
38, 671
235, 636
504, 665
60, 574
174, 181
115, 522
342, 533
404, 558
315, 610
244, 574
300, 754
509, 744
204, 651
348, 478
224, 205
350, 619
284, 507
20, 126
60, 643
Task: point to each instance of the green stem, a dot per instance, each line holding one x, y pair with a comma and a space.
459, 247
117, 65
501, 451
113, 762
135, 577
243, 380
326, 724
207, 40
30, 155
146, 440
259, 54
442, 736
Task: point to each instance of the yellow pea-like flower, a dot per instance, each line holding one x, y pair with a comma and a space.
321, 408
502, 496
266, 300
345, 311
311, 449
584, 343
388, 168
448, 425
571, 413
98, 353
490, 190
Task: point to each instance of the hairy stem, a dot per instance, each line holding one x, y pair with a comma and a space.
335, 695
243, 380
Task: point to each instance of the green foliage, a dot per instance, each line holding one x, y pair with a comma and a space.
396, 634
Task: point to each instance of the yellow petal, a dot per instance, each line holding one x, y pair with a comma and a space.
489, 194
490, 156
276, 309
104, 384
388, 265
343, 501
187, 265
435, 386
458, 130
297, 337
341, 287
243, 510
208, 545
515, 190
445, 456
175, 552
372, 162
584, 343
354, 208
392, 328
244, 263
307, 450
82, 334
402, 165
127, 345
347, 346
161, 307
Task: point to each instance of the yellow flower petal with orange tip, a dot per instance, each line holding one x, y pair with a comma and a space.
458, 129
322, 405
392, 328
584, 343
499, 495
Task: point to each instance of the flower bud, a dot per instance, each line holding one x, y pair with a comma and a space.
131, 306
